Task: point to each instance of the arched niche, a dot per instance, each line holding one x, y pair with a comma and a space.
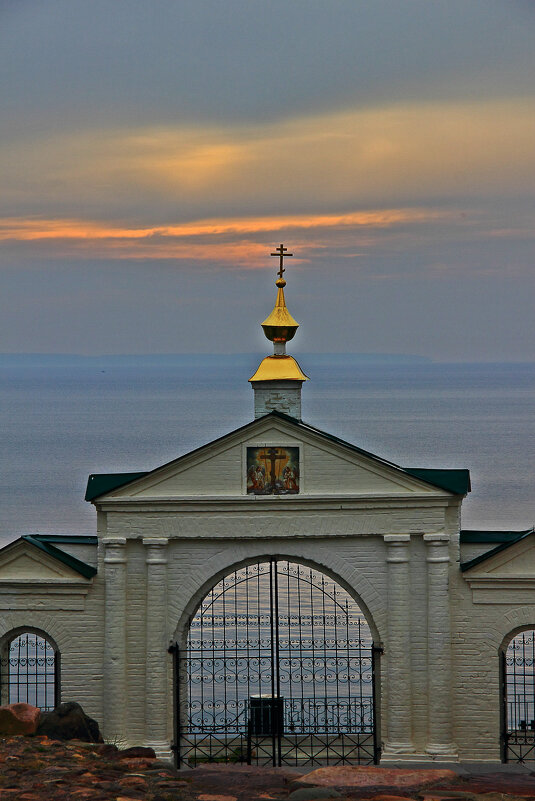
30, 668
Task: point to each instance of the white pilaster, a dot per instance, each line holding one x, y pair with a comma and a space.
439, 728
398, 649
157, 696
114, 637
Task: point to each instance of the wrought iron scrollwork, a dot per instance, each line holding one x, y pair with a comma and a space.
518, 664
29, 672
278, 669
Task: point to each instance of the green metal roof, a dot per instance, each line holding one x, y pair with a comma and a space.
454, 481
101, 483
85, 570
478, 536
499, 548
66, 539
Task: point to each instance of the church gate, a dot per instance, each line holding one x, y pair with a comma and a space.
29, 670
518, 682
279, 668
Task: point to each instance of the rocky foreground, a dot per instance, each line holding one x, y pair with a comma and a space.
41, 769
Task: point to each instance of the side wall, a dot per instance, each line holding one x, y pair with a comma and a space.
74, 622
480, 630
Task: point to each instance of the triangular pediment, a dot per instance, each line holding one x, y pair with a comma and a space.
22, 561
516, 560
326, 466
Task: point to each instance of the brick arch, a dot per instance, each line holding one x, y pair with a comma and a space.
517, 691
49, 626
31, 675
322, 663
352, 581
13, 633
508, 626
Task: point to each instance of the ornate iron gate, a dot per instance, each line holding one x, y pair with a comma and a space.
518, 682
279, 668
29, 672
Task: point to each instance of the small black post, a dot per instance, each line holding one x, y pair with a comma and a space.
376, 653
175, 747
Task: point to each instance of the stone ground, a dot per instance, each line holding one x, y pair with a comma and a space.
40, 769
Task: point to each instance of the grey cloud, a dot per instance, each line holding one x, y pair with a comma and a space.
68, 62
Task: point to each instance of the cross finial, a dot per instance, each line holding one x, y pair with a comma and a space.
281, 252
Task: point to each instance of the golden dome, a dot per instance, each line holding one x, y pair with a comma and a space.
280, 326
279, 368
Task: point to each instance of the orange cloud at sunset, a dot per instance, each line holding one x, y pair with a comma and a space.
108, 240
399, 155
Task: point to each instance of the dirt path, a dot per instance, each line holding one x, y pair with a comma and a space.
39, 769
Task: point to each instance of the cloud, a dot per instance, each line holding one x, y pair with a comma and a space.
401, 154
69, 61
232, 240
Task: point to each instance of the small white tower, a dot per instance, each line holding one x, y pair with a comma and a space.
278, 380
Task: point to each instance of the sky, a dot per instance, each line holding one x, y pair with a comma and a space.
153, 155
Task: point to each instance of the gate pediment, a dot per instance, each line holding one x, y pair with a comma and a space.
21, 561
322, 465
32, 579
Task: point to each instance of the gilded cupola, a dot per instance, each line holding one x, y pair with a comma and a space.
278, 379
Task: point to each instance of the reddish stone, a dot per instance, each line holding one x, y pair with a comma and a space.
384, 797
371, 777
19, 719
133, 781
210, 797
449, 795
137, 764
513, 784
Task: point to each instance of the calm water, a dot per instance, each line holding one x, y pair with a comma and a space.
61, 422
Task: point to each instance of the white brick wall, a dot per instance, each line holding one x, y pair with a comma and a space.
284, 396
338, 525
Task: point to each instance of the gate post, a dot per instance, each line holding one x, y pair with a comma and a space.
439, 726
398, 650
156, 689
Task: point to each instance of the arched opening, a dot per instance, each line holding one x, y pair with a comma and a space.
30, 669
278, 668
518, 682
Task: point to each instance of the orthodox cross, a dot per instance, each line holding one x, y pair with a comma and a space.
274, 456
281, 252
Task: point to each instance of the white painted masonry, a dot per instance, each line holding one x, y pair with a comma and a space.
285, 396
390, 539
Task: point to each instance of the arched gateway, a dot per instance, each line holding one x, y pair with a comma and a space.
278, 668
259, 554
247, 557
518, 682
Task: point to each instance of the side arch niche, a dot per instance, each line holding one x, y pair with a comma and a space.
30, 669
518, 697
278, 667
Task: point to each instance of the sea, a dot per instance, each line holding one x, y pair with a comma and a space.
64, 417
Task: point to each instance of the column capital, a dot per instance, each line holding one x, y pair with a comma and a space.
156, 550
397, 547
113, 541
397, 539
115, 550
438, 539
437, 544
160, 542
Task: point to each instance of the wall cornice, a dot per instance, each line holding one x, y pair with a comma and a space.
262, 504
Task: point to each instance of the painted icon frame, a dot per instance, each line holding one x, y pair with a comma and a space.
272, 470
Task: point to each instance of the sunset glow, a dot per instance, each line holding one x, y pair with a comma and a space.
390, 144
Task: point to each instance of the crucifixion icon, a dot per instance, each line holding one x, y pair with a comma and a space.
281, 252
